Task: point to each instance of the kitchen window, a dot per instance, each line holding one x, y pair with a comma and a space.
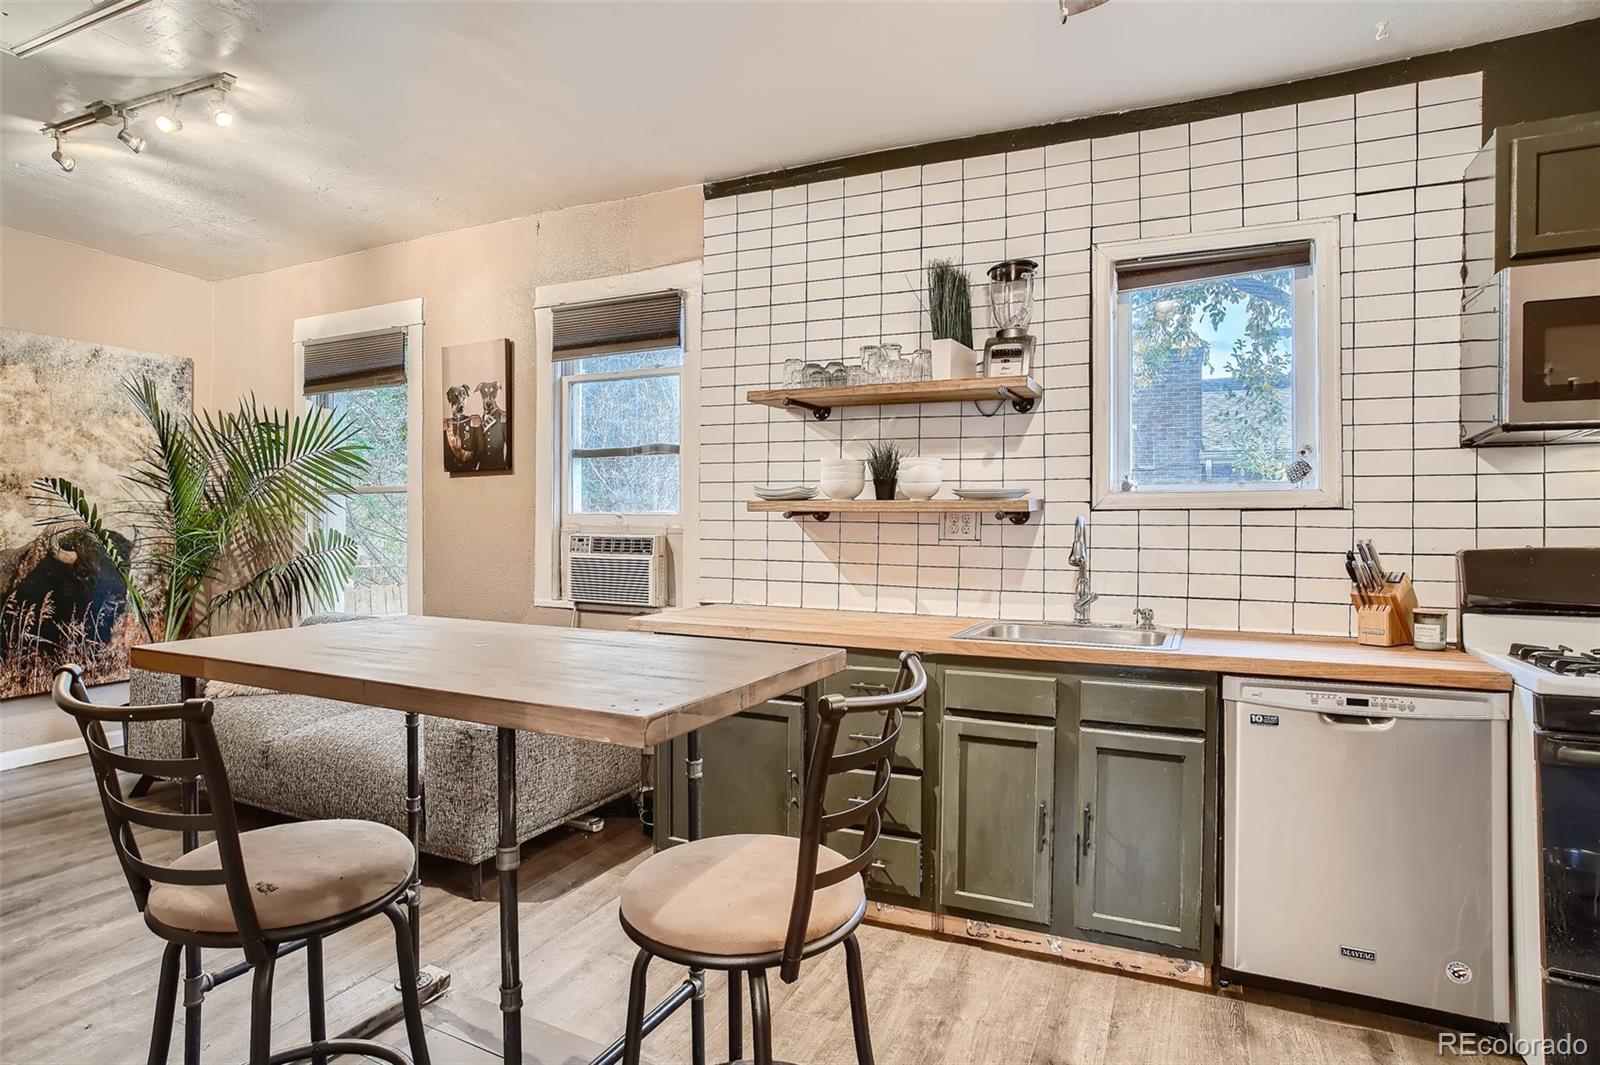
619, 367
1216, 359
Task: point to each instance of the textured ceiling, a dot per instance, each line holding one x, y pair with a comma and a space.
361, 124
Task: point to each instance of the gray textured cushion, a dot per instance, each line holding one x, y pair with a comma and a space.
318, 758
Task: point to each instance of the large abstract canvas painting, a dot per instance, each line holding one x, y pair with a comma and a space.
477, 396
66, 415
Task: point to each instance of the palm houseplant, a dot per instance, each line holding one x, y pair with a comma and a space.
223, 511
950, 320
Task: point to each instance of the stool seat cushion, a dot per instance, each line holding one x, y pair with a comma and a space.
298, 873
730, 896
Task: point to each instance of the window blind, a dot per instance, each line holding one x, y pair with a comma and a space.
1175, 270
632, 323
358, 360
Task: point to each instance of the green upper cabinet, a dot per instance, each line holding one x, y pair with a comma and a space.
1555, 187
996, 814
751, 776
1140, 834
1539, 182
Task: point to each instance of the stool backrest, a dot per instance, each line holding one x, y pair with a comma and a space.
865, 813
198, 768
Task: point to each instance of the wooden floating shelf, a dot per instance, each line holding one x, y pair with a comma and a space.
1022, 391
1017, 511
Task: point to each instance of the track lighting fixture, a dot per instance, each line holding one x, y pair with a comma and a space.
168, 121
164, 103
63, 160
135, 144
218, 104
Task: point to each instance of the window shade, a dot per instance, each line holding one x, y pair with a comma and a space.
359, 360
1175, 270
634, 323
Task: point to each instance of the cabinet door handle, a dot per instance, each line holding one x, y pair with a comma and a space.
865, 737
1088, 822
869, 687
794, 789
1044, 827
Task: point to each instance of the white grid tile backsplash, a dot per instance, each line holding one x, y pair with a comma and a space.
813, 272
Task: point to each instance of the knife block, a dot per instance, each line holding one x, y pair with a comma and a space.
1383, 618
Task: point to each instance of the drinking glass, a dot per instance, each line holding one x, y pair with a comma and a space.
836, 373
816, 376
891, 352
872, 363
794, 372
854, 376
922, 365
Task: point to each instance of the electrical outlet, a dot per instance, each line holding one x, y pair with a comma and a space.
961, 527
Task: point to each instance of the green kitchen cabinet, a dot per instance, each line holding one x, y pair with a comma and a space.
751, 778
1140, 834
996, 815
1533, 186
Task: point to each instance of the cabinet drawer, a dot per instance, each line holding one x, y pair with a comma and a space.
896, 865
862, 729
1000, 692
902, 807
1148, 703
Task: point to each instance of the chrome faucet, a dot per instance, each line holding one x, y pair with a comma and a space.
1079, 557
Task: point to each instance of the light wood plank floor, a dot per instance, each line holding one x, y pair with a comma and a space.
78, 973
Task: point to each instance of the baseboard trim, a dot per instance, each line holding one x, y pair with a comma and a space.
50, 752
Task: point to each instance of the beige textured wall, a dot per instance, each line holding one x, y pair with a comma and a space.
49, 286
475, 284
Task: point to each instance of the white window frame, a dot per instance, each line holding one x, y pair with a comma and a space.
1316, 298
402, 314
550, 489
564, 442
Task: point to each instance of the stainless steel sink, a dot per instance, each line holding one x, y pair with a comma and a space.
1159, 638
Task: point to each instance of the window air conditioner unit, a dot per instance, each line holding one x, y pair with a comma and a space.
617, 570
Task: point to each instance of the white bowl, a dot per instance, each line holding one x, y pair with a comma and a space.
843, 487
920, 489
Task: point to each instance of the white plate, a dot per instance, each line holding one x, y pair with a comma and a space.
990, 494
774, 493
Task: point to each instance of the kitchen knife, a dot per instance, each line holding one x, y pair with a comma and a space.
1353, 568
1369, 558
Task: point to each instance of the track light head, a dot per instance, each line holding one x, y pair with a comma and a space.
168, 121
218, 105
135, 144
62, 159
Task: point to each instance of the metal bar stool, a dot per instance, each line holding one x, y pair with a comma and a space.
261, 892
748, 903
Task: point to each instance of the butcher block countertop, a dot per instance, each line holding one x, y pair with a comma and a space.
1248, 654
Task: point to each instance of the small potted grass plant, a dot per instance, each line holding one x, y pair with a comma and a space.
950, 320
883, 461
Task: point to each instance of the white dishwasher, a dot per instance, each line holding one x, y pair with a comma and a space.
1364, 841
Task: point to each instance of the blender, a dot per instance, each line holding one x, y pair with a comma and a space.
1010, 351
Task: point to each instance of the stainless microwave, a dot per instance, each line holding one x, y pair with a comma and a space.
1530, 356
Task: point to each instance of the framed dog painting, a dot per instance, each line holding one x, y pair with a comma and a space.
477, 405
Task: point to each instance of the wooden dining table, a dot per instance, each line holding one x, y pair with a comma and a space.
630, 688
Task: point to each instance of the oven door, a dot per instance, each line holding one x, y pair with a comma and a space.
1569, 798
1552, 322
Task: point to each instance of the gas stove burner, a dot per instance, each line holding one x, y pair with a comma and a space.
1559, 659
